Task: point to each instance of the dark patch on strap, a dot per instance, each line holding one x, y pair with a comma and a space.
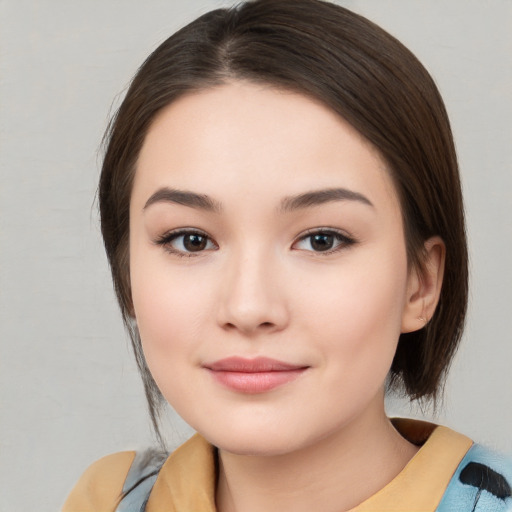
484, 478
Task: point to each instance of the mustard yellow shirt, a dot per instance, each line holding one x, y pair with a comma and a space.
186, 482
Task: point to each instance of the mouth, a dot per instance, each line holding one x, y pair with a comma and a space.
253, 376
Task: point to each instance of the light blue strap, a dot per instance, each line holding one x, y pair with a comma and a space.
140, 480
464, 497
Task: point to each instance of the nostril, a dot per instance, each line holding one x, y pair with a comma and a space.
229, 326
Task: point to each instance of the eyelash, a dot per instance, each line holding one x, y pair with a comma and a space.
166, 239
343, 240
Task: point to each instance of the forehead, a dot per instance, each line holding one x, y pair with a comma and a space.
252, 139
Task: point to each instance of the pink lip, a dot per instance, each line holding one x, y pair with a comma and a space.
253, 375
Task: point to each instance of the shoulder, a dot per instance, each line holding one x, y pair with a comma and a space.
100, 486
482, 482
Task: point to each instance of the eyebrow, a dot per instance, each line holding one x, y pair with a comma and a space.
288, 204
185, 198
318, 197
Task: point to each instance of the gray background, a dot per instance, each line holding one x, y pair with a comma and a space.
69, 389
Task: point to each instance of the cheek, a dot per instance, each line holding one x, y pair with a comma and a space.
169, 303
170, 326
168, 310
355, 312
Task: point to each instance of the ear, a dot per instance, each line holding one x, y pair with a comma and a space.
424, 287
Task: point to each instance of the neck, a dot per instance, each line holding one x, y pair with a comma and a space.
333, 474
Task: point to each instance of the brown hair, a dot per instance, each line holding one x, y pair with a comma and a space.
359, 71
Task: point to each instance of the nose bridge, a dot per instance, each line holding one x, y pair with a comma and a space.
252, 299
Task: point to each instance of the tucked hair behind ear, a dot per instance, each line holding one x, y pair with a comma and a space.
359, 71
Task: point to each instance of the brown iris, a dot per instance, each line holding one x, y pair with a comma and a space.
194, 242
322, 242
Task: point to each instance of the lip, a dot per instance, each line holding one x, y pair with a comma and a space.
257, 375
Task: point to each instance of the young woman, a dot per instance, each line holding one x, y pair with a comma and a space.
282, 213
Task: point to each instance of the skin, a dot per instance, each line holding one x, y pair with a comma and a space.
259, 287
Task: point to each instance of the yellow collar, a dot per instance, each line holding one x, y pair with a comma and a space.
187, 480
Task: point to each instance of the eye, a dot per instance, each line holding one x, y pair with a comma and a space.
186, 242
323, 240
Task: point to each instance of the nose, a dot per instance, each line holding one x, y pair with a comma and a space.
252, 301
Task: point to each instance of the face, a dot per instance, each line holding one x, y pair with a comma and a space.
268, 267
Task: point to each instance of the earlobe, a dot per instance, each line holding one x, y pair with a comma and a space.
424, 287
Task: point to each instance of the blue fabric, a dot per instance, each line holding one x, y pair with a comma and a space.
140, 480
492, 494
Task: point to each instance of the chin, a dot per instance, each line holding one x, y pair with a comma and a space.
256, 447
257, 441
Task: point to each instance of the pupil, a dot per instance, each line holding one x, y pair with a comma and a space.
194, 242
322, 242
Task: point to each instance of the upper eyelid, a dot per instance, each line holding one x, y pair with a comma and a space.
307, 232
165, 240
345, 239
175, 233
324, 230
171, 235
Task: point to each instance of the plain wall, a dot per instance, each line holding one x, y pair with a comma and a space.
70, 392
